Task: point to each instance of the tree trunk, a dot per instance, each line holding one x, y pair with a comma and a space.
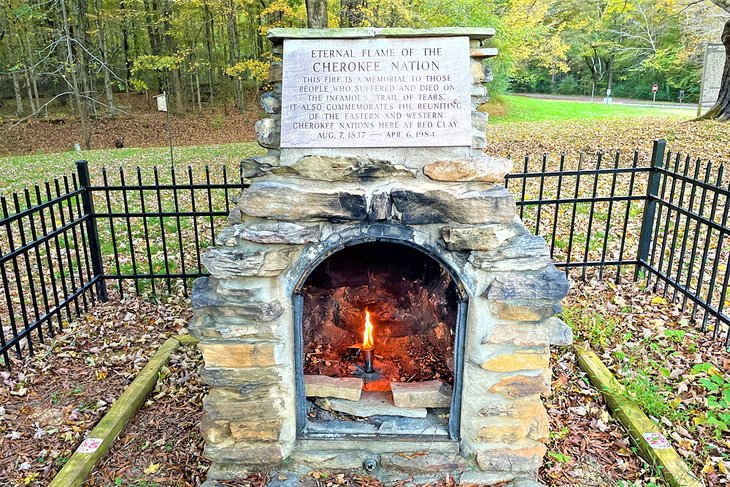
197, 90
233, 50
105, 60
32, 73
610, 75
721, 110
80, 109
29, 88
151, 29
18, 96
79, 10
125, 46
153, 33
27, 66
316, 14
178, 91
351, 13
208, 21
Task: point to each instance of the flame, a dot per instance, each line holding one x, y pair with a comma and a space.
367, 336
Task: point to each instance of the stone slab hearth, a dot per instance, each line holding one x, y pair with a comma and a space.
422, 237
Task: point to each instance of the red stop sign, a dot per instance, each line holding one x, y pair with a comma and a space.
655, 88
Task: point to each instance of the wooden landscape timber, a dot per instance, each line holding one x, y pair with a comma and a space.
672, 467
80, 465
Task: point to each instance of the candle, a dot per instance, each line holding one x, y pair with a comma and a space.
368, 345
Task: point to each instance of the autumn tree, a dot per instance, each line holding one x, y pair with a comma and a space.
76, 56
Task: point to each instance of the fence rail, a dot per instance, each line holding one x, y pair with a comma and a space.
658, 216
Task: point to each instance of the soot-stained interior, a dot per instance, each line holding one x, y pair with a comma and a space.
412, 304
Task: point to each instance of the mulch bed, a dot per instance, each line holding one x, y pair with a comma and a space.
162, 442
668, 365
50, 402
587, 445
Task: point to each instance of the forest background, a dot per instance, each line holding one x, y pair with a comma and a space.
77, 57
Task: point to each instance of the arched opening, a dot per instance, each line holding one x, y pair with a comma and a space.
409, 376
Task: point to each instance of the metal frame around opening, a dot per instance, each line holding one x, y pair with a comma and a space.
459, 338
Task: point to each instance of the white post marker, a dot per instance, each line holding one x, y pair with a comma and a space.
654, 89
161, 102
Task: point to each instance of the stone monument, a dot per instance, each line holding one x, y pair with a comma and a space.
375, 140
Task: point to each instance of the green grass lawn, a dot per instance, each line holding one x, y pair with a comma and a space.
506, 109
18, 172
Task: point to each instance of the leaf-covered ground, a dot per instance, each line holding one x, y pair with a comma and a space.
139, 125
679, 375
48, 403
706, 139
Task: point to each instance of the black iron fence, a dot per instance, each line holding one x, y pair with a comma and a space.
660, 217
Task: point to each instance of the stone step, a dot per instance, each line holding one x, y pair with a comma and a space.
410, 463
423, 463
348, 388
374, 403
426, 394
378, 445
431, 426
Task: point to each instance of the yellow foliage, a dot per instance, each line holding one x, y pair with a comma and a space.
31, 478
254, 68
282, 14
533, 36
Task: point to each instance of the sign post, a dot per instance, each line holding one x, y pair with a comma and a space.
654, 89
162, 107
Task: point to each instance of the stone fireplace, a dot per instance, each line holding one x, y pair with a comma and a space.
375, 303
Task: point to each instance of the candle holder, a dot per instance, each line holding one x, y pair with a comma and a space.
368, 356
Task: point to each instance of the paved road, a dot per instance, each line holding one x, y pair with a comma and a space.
616, 101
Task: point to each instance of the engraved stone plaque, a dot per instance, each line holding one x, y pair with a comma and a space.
712, 73
376, 93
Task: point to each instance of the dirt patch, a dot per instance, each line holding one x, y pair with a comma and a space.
139, 127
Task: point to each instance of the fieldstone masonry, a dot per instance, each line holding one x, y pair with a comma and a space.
304, 202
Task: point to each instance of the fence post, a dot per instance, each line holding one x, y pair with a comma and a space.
97, 264
652, 193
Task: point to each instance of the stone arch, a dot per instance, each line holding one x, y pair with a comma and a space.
315, 254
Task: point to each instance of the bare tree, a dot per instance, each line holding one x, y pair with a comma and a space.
72, 67
721, 110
